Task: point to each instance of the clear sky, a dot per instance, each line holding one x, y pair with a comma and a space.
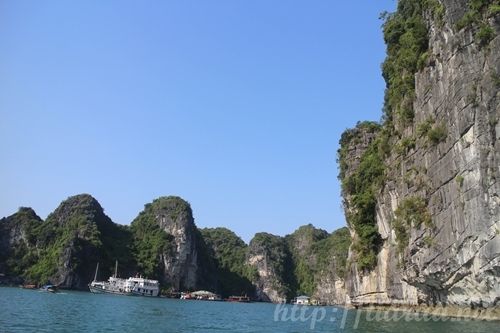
235, 105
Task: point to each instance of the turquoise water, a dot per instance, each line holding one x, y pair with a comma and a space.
34, 311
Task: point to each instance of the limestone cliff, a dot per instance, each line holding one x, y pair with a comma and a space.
17, 242
426, 228
319, 261
162, 242
233, 274
309, 261
168, 244
329, 267
70, 242
270, 256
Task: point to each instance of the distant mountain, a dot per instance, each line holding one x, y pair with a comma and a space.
164, 243
234, 276
18, 238
168, 246
309, 261
65, 248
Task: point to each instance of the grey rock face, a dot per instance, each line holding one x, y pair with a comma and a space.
15, 240
270, 256
185, 263
65, 249
81, 217
330, 290
317, 258
180, 261
309, 261
457, 259
13, 228
62, 250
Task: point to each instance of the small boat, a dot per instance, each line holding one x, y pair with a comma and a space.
187, 296
133, 286
28, 286
302, 300
238, 299
49, 288
201, 295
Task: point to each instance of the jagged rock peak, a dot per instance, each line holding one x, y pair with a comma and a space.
81, 204
270, 256
22, 215
169, 210
309, 232
28, 211
177, 251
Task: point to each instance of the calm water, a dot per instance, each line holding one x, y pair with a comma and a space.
34, 311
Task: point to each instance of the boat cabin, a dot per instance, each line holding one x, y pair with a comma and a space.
302, 300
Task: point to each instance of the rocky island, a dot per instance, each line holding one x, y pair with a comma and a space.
420, 188
164, 243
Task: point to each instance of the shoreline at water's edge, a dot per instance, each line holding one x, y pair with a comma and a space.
452, 311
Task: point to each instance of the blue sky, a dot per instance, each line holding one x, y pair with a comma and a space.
235, 105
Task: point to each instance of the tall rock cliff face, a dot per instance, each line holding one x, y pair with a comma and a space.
76, 224
233, 275
17, 242
71, 241
164, 243
270, 256
80, 234
168, 244
319, 261
329, 267
427, 228
309, 261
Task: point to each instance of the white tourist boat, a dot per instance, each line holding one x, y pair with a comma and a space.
133, 286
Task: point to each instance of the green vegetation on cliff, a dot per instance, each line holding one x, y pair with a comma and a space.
333, 251
411, 212
362, 187
18, 254
406, 36
363, 177
150, 242
365, 156
234, 276
67, 232
317, 254
75, 236
304, 262
65, 248
278, 261
301, 244
477, 13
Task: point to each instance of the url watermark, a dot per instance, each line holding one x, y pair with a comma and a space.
351, 318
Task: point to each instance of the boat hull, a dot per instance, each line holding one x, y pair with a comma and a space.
99, 290
136, 293
133, 286
113, 289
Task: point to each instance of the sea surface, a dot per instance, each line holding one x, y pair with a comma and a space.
68, 311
